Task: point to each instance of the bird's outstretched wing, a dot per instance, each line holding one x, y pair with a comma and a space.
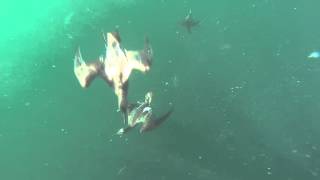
86, 72
155, 122
141, 60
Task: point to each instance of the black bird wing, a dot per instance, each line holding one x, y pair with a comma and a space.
155, 122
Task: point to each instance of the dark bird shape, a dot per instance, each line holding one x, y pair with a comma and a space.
115, 68
141, 113
189, 22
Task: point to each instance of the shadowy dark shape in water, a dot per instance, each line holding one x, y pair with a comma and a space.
189, 22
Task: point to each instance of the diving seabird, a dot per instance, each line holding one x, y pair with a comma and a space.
141, 112
115, 68
189, 22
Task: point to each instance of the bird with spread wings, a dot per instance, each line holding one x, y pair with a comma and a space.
115, 67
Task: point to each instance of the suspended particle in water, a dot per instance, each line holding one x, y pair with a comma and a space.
175, 81
69, 36
63, 131
245, 163
314, 55
314, 173
68, 19
307, 156
225, 46
269, 171
122, 169
314, 148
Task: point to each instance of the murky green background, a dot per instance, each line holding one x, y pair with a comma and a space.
246, 97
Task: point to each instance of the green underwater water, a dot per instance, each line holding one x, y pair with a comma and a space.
246, 97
